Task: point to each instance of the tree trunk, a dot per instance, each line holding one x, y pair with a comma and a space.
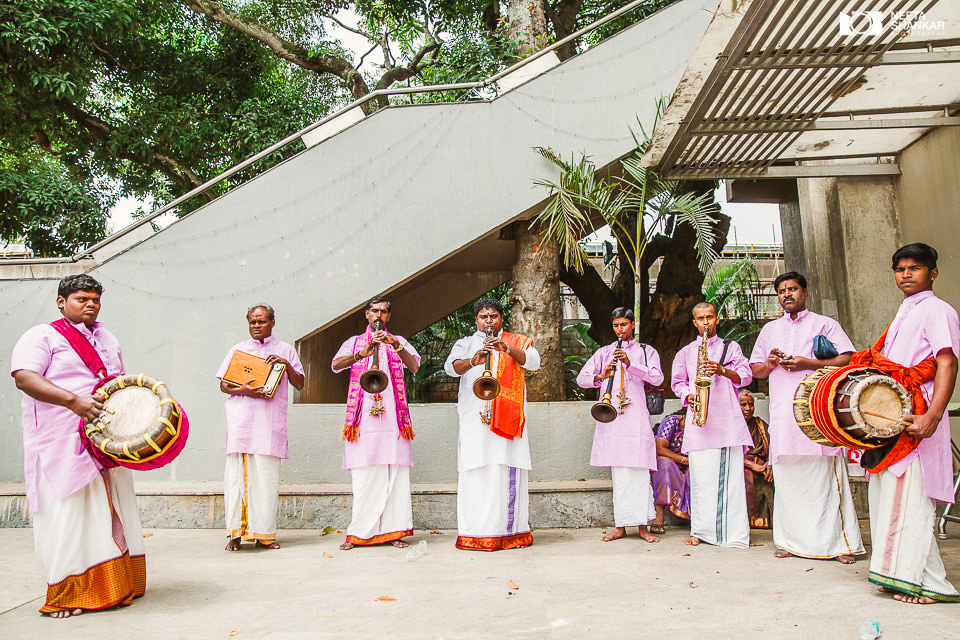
536, 311
527, 25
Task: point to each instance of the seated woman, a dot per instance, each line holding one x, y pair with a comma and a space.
758, 474
671, 483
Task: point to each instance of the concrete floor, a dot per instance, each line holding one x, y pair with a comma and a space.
570, 586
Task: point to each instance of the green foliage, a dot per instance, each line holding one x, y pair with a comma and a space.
435, 342
585, 346
732, 289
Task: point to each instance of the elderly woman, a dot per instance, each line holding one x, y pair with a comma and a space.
758, 474
671, 483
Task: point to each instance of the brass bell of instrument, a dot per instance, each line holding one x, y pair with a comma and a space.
374, 380
486, 387
604, 410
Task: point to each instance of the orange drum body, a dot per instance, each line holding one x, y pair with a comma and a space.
853, 406
142, 426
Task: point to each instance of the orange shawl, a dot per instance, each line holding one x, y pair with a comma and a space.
506, 416
876, 460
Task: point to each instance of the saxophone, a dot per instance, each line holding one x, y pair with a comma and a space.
702, 382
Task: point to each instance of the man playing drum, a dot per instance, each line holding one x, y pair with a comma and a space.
626, 444
86, 525
377, 432
920, 346
813, 512
493, 454
256, 436
718, 498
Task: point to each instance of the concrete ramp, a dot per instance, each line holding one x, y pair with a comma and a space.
409, 202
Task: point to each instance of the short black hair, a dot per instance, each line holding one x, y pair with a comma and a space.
789, 275
263, 306
374, 300
78, 282
487, 303
622, 312
919, 251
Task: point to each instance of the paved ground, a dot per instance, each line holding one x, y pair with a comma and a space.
570, 585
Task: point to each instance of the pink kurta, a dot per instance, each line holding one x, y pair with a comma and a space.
725, 426
627, 441
379, 440
51, 436
794, 338
924, 326
259, 425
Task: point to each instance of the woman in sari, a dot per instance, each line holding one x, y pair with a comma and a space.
758, 474
671, 483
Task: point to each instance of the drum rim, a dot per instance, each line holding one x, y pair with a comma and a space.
906, 403
137, 449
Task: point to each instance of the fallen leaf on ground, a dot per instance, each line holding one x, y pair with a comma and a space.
327, 530
512, 585
436, 531
386, 598
327, 555
810, 569
582, 480
235, 632
693, 586
147, 535
338, 531
686, 554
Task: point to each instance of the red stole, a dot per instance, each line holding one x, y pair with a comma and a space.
910, 377
506, 415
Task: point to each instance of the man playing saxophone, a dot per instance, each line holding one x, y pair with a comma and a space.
716, 435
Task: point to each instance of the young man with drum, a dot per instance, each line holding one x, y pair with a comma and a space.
256, 436
86, 525
493, 454
813, 512
920, 347
377, 431
718, 498
625, 444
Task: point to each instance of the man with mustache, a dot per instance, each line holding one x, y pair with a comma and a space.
813, 512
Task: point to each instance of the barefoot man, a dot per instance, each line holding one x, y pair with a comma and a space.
377, 433
626, 445
813, 512
256, 436
718, 498
86, 525
908, 478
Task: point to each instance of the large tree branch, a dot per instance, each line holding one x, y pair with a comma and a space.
597, 297
289, 51
399, 74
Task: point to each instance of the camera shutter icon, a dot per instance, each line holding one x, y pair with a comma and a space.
859, 23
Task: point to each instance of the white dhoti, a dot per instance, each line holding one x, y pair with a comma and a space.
382, 510
813, 512
632, 497
493, 508
905, 556
718, 497
251, 486
91, 544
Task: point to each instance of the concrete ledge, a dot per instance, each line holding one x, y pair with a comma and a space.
553, 504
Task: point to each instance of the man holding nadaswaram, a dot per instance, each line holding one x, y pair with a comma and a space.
377, 433
493, 453
256, 436
813, 512
913, 473
718, 499
626, 445
86, 524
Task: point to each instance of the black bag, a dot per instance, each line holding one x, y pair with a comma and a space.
653, 394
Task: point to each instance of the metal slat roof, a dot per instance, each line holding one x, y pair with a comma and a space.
778, 81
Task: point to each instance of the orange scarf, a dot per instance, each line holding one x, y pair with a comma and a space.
506, 416
876, 460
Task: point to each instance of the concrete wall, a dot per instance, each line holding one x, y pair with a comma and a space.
360, 214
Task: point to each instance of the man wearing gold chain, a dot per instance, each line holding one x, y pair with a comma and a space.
377, 433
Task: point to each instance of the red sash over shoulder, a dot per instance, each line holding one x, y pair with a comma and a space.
506, 417
910, 377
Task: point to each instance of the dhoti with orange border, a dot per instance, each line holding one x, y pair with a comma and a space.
91, 544
493, 508
251, 493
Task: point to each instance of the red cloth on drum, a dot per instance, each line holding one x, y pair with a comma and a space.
912, 378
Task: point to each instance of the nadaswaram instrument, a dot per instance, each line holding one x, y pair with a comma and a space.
702, 382
374, 379
486, 387
142, 426
852, 406
604, 411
